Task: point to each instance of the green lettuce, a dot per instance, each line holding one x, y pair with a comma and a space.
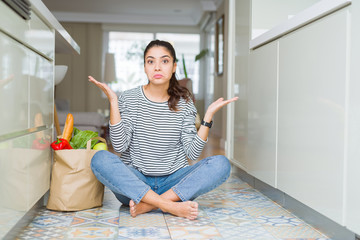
80, 138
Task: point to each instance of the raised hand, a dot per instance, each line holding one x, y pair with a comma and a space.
212, 109
217, 105
111, 95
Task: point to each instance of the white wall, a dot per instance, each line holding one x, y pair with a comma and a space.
75, 87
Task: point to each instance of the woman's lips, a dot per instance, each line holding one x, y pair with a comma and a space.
158, 76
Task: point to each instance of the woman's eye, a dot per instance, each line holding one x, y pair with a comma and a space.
150, 61
165, 61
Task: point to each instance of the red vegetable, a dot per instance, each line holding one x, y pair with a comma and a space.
40, 143
60, 144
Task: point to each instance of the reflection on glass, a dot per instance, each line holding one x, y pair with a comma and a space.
5, 81
266, 14
13, 86
24, 165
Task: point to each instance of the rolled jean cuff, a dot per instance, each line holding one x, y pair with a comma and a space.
182, 198
141, 195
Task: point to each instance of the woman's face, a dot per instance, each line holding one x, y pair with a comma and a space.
159, 65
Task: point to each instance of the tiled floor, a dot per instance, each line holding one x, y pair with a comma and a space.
232, 211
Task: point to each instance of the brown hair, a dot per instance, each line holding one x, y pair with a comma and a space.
175, 91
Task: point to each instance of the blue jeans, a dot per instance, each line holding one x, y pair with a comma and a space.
188, 183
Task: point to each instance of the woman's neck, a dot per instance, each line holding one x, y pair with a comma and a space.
156, 93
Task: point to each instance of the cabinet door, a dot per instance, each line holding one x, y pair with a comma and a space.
34, 32
262, 113
40, 36
14, 86
41, 91
12, 23
24, 176
312, 83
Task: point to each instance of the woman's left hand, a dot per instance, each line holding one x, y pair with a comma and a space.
217, 105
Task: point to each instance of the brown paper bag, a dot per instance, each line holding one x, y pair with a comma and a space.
73, 185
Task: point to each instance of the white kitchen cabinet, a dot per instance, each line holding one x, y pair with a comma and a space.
241, 63
41, 91
27, 51
311, 121
262, 113
14, 85
41, 37
26, 106
33, 33
24, 171
19, 160
352, 193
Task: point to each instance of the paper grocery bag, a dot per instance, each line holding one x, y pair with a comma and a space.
73, 185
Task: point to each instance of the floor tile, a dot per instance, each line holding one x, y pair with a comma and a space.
220, 219
247, 230
279, 221
153, 219
234, 179
97, 213
217, 194
202, 232
234, 185
51, 221
202, 220
106, 222
46, 212
217, 203
301, 231
267, 211
51, 233
306, 239
93, 233
260, 202
112, 221
143, 233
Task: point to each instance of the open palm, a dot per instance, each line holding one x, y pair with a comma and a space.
218, 104
111, 95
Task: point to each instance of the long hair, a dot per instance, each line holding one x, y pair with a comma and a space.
175, 91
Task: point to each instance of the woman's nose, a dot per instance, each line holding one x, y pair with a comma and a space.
157, 66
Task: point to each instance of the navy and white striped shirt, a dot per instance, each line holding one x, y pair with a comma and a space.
151, 137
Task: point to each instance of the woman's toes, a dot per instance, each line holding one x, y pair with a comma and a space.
132, 206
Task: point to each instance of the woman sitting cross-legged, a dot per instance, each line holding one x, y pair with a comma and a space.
153, 127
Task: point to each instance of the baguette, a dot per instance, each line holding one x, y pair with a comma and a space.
38, 122
68, 128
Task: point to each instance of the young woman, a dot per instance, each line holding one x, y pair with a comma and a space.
153, 127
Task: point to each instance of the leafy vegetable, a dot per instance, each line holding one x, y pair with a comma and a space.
80, 138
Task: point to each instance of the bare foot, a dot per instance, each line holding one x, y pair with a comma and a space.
186, 209
137, 209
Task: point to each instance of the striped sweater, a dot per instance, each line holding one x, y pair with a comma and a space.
151, 137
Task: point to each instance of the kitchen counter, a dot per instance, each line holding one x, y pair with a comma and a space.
312, 13
63, 41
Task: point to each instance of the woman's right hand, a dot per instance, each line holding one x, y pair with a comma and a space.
111, 95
